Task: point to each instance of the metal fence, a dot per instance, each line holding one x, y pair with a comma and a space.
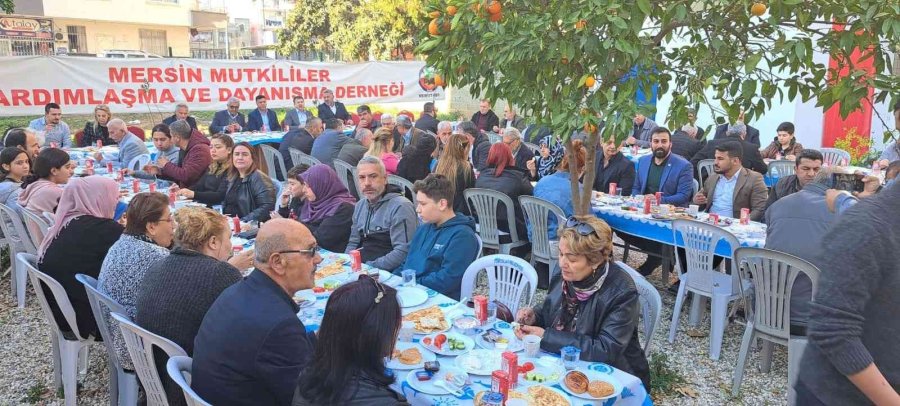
23, 46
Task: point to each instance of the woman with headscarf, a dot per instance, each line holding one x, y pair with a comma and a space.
43, 188
552, 153
328, 212
416, 162
78, 241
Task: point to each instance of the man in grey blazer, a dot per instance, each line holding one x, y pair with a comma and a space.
130, 146
296, 117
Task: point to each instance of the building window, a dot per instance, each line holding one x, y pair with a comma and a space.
154, 42
77, 39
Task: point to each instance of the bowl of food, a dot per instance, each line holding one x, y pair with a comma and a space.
466, 325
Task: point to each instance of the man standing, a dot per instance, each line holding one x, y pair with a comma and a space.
383, 221
251, 346
130, 146
521, 153
484, 119
262, 119
643, 129
808, 164
23, 139
193, 160
182, 112
751, 157
428, 119
356, 147
479, 145
510, 120
327, 146
300, 139
228, 121
332, 109
734, 187
55, 131
296, 117
685, 143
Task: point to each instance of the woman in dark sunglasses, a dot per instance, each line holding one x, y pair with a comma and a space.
593, 305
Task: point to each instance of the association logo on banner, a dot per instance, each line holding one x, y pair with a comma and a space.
429, 80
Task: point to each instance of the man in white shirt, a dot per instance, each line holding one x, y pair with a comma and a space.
298, 116
734, 187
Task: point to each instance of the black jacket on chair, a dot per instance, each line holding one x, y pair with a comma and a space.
685, 145
620, 171
606, 326
250, 198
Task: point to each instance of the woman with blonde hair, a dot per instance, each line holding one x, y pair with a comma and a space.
96, 130
455, 166
593, 305
381, 147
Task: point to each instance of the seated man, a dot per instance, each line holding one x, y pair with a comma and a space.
685, 143
130, 146
24, 139
408, 135
298, 116
446, 244
809, 162
365, 119
327, 146
383, 221
428, 119
513, 138
251, 346
301, 139
330, 108
193, 160
510, 120
643, 130
262, 119
228, 121
181, 113
734, 187
750, 152
56, 131
356, 147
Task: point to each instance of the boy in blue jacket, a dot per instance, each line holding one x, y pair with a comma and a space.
445, 245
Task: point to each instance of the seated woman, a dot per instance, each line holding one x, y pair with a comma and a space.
165, 147
552, 153
503, 176
148, 234
78, 241
177, 290
42, 189
249, 193
14, 168
613, 167
593, 305
207, 189
97, 130
557, 189
328, 212
454, 165
416, 162
784, 146
381, 147
360, 327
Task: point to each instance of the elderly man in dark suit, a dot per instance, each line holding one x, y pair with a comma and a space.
182, 112
332, 109
228, 121
751, 156
685, 142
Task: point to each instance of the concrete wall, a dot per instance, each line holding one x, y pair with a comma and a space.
131, 11
106, 35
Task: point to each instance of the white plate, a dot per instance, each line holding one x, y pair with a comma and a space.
539, 368
395, 364
592, 376
428, 386
486, 360
305, 298
514, 344
411, 297
445, 349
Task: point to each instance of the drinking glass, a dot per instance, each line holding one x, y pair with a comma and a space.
570, 356
532, 345
409, 277
491, 312
407, 330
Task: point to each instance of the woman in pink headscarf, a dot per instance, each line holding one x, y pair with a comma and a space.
78, 241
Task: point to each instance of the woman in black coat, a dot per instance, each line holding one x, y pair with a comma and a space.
503, 176
207, 189
249, 193
613, 167
416, 162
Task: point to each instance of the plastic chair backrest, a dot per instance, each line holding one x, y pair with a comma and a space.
405, 185
651, 304
273, 160
705, 169
835, 156
179, 369
773, 274
696, 186
494, 138
140, 343
537, 213
19, 234
347, 175
79, 135
40, 280
36, 225
510, 279
138, 131
298, 157
534, 148
484, 203
480, 246
780, 169
700, 240
137, 163
102, 305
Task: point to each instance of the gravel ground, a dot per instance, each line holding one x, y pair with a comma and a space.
26, 366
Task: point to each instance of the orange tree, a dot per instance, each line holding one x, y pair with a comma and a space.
577, 64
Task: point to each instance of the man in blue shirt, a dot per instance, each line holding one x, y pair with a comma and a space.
55, 132
298, 116
733, 187
262, 119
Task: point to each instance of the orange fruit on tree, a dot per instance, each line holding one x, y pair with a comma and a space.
589, 82
495, 17
433, 28
494, 7
434, 14
589, 128
451, 10
580, 25
438, 80
758, 9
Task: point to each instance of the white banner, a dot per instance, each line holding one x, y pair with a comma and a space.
79, 84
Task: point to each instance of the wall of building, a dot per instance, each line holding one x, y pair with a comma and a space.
153, 12
107, 35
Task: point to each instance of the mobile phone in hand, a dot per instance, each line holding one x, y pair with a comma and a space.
847, 181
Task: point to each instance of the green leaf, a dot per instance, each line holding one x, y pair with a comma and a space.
751, 63
644, 6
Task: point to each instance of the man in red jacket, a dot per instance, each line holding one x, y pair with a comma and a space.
193, 160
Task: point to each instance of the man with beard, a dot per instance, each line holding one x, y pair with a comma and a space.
808, 164
663, 172
734, 187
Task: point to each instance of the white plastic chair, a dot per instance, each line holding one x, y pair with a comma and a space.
298, 157
537, 213
494, 138
139, 162
66, 351
835, 156
140, 343
705, 168
19, 242
700, 240
405, 186
782, 168
480, 246
36, 225
274, 160
510, 279
773, 274
484, 203
347, 175
696, 186
179, 369
651, 304
124, 389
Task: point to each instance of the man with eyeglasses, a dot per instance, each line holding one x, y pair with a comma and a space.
513, 138
251, 346
230, 120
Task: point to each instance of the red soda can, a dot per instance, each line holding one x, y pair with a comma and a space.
647, 204
658, 197
109, 168
745, 216
509, 363
120, 176
481, 313
355, 261
99, 143
715, 218
135, 186
237, 224
612, 188
172, 196
152, 187
236, 249
500, 383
